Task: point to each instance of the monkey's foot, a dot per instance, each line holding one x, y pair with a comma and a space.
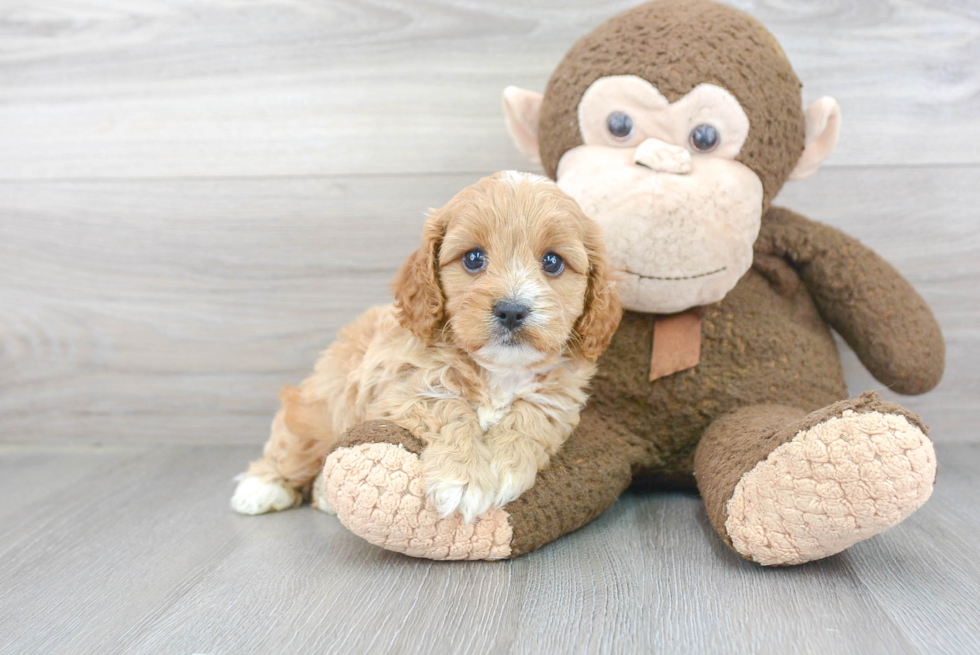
373, 481
837, 482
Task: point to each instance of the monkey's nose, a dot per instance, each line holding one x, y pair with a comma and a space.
663, 157
510, 314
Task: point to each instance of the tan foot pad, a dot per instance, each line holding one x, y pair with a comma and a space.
376, 491
835, 484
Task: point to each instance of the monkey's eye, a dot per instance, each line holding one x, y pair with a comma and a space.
552, 263
474, 260
620, 125
705, 138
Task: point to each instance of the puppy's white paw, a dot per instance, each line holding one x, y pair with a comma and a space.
468, 498
319, 499
455, 481
445, 495
255, 496
476, 500
513, 481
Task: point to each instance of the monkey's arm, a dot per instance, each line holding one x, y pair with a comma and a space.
864, 298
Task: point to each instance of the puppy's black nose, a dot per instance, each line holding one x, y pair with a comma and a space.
510, 314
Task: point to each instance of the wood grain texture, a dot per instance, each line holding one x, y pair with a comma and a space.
155, 88
133, 550
174, 310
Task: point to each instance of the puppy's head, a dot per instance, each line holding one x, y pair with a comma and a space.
514, 270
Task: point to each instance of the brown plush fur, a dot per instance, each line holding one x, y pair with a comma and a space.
738, 441
768, 360
764, 347
676, 46
734, 444
864, 298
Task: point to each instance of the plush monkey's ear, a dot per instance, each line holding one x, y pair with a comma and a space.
522, 110
597, 324
418, 294
822, 132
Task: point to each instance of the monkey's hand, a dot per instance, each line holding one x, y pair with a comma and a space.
864, 298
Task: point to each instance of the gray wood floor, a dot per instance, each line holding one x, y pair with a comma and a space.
132, 549
195, 195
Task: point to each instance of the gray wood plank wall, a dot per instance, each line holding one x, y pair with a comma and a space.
196, 194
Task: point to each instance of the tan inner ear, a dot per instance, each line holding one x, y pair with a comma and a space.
522, 111
823, 122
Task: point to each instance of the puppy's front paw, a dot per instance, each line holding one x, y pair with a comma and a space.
514, 477
455, 484
319, 496
468, 498
256, 496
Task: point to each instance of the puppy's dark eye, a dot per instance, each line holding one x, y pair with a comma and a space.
705, 138
552, 263
620, 125
474, 260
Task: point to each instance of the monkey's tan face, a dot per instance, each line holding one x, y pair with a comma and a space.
680, 215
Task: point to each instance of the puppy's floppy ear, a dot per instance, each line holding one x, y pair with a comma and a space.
603, 311
418, 294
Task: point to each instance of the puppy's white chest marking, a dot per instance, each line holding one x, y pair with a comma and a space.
505, 386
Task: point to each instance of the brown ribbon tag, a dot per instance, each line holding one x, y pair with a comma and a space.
676, 343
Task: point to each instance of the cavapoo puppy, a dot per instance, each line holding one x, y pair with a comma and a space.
485, 354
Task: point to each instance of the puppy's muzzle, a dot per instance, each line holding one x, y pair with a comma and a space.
511, 315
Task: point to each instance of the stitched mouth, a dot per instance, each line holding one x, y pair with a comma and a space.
679, 277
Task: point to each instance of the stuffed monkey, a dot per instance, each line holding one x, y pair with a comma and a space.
674, 125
